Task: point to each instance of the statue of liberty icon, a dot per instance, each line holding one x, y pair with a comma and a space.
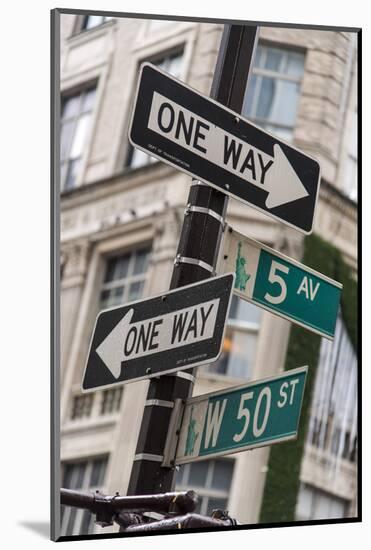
241, 275
191, 436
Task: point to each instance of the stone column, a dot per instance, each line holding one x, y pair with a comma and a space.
74, 263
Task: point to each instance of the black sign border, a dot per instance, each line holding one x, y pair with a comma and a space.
158, 306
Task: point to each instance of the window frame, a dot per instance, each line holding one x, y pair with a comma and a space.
260, 73
316, 494
206, 492
81, 90
128, 280
80, 514
237, 326
83, 19
155, 58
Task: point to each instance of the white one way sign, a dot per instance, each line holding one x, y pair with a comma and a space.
223, 149
208, 141
176, 330
133, 340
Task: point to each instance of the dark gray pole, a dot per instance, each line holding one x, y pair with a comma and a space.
196, 259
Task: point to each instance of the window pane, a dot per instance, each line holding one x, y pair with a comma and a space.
115, 296
249, 100
265, 102
98, 472
71, 106
64, 168
104, 298
216, 504
71, 521
88, 100
233, 308
283, 110
93, 21
273, 59
180, 475
72, 172
171, 63
66, 138
79, 473
175, 65
110, 270
244, 311
141, 261
79, 138
272, 101
237, 355
304, 504
81, 406
67, 475
258, 56
199, 505
111, 401
87, 524
295, 65
222, 475
117, 268
198, 474
122, 266
135, 291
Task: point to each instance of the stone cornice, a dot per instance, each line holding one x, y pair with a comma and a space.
104, 187
338, 200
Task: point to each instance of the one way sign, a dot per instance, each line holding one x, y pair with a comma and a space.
177, 330
212, 143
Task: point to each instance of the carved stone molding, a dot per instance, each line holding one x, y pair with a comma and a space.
75, 259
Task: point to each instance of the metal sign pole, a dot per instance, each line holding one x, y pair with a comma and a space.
195, 261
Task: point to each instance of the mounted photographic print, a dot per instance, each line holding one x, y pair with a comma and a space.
205, 346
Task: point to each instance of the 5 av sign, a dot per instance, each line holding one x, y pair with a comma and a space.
204, 139
256, 414
280, 284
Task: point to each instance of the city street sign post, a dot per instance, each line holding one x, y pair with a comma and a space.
196, 258
280, 284
204, 139
176, 330
253, 415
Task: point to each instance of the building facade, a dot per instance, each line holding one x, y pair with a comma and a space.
121, 213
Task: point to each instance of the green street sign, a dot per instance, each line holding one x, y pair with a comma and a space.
279, 284
253, 415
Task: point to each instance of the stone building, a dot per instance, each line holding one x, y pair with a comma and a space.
120, 216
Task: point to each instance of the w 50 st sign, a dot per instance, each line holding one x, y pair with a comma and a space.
279, 284
253, 415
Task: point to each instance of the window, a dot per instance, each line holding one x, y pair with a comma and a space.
82, 406
239, 346
97, 403
211, 479
172, 64
333, 420
125, 277
111, 401
316, 504
81, 475
91, 21
75, 125
272, 97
